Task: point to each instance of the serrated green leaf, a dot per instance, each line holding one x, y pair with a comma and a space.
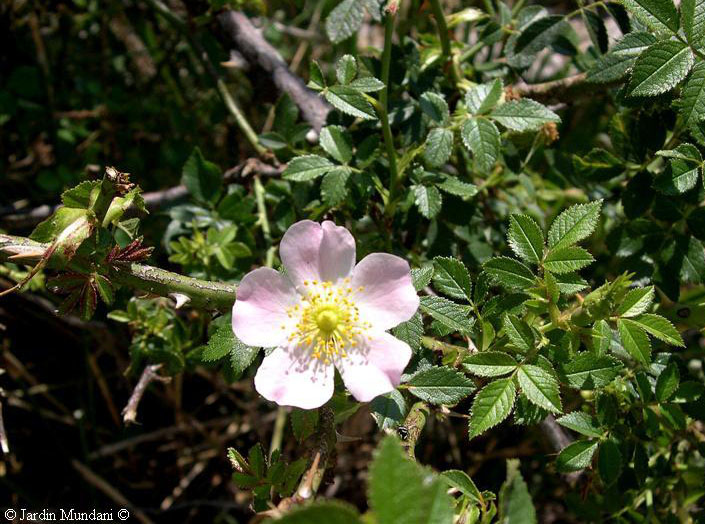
492, 405
660, 68
590, 370
596, 30
490, 363
667, 382
566, 259
634, 340
50, 228
241, 356
303, 423
609, 462
481, 137
570, 283
574, 224
455, 187
462, 482
346, 69
105, 288
515, 505
685, 257
202, 178
351, 102
615, 64
410, 331
483, 97
580, 422
576, 456
421, 276
660, 328
636, 302
316, 80
601, 336
79, 196
684, 169
450, 314
440, 385
526, 413
660, 15
438, 146
367, 84
519, 333
610, 68
219, 345
692, 101
598, 164
525, 238
693, 21
334, 187
389, 410
344, 20
336, 141
509, 272
435, 106
538, 34
540, 387
307, 167
451, 278
428, 199
402, 492
523, 115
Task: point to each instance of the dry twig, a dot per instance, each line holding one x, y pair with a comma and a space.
250, 42
149, 375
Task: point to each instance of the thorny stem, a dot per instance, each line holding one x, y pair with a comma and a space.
312, 478
149, 375
382, 109
201, 293
415, 422
202, 57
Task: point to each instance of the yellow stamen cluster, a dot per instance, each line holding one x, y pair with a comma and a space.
328, 322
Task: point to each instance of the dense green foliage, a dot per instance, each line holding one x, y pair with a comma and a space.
541, 167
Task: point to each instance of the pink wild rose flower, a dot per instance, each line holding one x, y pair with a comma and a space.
325, 313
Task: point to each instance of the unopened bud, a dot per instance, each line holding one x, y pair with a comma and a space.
312, 136
392, 7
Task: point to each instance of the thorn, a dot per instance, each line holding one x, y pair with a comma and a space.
180, 299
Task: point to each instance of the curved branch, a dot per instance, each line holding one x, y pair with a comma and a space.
150, 279
250, 42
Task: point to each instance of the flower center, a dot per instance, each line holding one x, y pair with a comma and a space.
327, 319
328, 322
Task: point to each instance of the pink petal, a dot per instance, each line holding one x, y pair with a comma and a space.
388, 297
312, 251
259, 313
291, 377
375, 368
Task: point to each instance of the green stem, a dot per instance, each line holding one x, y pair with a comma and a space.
263, 221
202, 57
382, 108
415, 422
443, 35
201, 293
278, 432
437, 345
